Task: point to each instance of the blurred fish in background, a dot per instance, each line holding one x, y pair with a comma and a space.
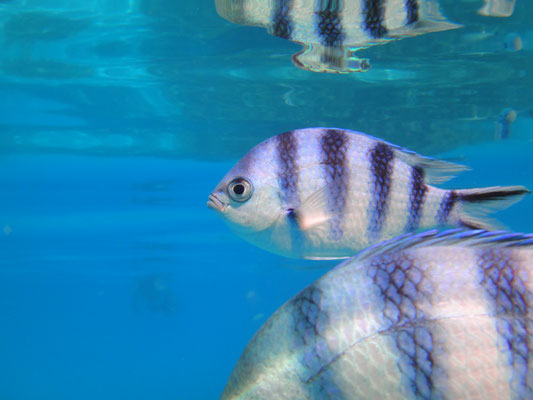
429, 316
504, 122
331, 31
513, 42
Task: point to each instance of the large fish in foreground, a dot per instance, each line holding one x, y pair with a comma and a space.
328, 193
332, 30
425, 316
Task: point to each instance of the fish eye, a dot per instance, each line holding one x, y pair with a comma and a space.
240, 189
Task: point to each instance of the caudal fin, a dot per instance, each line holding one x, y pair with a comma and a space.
476, 204
427, 19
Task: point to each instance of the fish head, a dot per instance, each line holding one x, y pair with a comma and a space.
247, 197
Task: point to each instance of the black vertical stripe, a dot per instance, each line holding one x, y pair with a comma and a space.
508, 292
334, 149
309, 325
416, 198
412, 11
287, 152
374, 15
446, 205
311, 322
282, 24
329, 24
402, 287
381, 158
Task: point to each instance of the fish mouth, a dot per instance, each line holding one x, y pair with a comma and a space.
216, 204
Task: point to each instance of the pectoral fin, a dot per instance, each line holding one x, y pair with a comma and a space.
312, 212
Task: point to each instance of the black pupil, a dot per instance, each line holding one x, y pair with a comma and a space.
238, 189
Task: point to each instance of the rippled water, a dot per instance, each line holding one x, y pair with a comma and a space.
117, 118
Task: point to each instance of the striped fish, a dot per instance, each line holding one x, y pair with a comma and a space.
327, 193
444, 315
332, 30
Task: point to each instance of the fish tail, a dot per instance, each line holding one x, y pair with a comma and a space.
430, 18
476, 204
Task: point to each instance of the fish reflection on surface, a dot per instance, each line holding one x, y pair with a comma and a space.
154, 293
497, 8
513, 42
331, 31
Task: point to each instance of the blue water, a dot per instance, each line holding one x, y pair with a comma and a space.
117, 119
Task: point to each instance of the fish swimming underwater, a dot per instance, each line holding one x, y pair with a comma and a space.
327, 193
434, 315
332, 30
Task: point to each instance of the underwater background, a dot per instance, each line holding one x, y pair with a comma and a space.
118, 118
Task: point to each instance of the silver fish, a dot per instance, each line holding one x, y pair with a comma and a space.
327, 193
332, 30
444, 315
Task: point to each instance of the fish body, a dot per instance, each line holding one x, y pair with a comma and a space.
327, 193
424, 316
331, 30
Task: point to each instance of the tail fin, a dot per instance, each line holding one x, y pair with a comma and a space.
429, 19
477, 203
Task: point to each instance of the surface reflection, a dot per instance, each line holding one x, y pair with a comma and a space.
331, 31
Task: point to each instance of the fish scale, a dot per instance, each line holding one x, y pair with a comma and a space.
416, 198
510, 296
461, 329
282, 25
380, 160
333, 146
400, 299
329, 28
446, 205
374, 14
412, 11
287, 151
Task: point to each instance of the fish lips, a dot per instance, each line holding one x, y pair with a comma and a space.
216, 204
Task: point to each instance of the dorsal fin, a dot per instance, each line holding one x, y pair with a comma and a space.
460, 237
435, 171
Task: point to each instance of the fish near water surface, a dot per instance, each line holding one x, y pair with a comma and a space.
332, 30
444, 315
327, 193
497, 8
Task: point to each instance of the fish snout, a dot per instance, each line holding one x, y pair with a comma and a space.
216, 204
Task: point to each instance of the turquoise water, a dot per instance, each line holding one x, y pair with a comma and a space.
118, 118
